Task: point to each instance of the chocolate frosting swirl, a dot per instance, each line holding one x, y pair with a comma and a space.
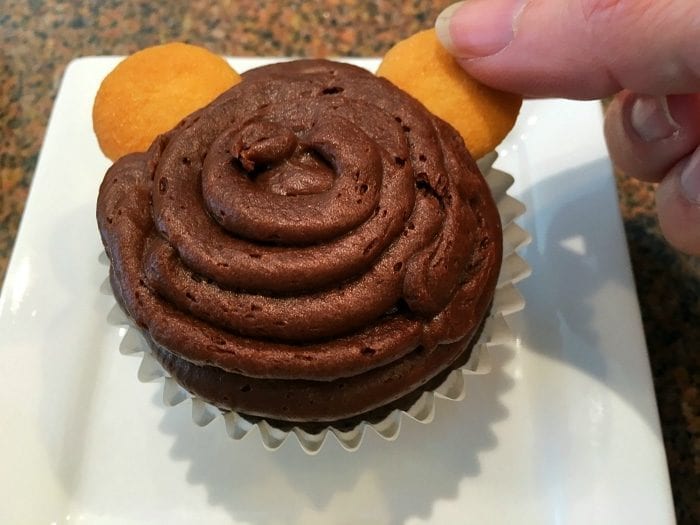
313, 226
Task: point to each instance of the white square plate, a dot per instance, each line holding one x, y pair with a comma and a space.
563, 431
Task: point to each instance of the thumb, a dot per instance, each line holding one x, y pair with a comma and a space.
678, 204
576, 48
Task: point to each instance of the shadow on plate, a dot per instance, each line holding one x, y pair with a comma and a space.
576, 267
382, 482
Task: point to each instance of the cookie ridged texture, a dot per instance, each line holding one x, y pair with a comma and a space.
314, 236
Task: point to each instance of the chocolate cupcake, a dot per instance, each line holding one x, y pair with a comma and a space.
312, 248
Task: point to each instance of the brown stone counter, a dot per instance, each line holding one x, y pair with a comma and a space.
38, 39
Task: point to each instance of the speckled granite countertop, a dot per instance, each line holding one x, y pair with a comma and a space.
38, 39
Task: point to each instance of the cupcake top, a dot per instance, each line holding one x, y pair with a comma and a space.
313, 222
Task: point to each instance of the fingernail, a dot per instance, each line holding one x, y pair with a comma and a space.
442, 26
478, 28
651, 118
690, 178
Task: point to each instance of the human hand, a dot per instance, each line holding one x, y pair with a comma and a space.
644, 51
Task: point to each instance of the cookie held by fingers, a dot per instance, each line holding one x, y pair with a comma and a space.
483, 116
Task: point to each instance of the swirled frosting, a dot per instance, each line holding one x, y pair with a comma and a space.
312, 245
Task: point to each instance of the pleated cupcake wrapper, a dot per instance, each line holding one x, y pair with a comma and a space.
507, 300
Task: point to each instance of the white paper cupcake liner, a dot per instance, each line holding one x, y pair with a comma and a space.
507, 300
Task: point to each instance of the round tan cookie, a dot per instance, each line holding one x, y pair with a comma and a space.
423, 68
150, 91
